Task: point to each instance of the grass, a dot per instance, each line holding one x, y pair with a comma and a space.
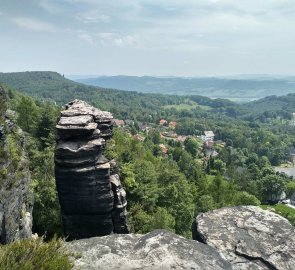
283, 210
34, 254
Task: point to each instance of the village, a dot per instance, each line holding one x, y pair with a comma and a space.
208, 147
166, 129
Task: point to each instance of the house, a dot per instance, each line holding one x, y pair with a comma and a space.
119, 123
209, 135
145, 128
138, 137
164, 149
170, 134
181, 138
172, 124
163, 122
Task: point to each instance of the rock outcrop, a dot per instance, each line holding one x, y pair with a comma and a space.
239, 238
16, 198
93, 202
156, 250
248, 237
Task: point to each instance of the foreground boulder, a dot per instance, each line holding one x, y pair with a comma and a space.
93, 202
16, 198
156, 250
248, 237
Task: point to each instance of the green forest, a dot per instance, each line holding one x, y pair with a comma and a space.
163, 191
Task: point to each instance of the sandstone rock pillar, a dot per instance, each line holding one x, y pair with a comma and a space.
88, 194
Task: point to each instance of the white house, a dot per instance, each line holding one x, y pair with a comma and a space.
209, 135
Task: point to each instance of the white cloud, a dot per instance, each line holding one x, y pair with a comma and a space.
86, 37
197, 34
109, 38
93, 16
50, 7
33, 24
125, 41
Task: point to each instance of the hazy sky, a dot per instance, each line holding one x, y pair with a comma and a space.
148, 37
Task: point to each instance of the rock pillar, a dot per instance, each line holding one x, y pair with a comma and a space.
92, 200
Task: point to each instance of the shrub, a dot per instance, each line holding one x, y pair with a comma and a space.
34, 254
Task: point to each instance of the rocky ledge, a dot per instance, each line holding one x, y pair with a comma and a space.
156, 250
93, 201
248, 237
244, 237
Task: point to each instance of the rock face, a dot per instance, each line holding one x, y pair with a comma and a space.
248, 237
156, 250
92, 199
16, 199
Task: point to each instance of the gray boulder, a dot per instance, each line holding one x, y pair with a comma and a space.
248, 237
156, 250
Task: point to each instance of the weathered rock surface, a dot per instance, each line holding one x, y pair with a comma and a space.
91, 196
156, 250
248, 237
16, 198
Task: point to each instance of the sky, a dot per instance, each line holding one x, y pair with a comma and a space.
148, 37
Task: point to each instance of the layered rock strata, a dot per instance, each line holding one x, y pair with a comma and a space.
16, 198
248, 237
93, 202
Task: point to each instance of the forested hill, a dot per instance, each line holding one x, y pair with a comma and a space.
236, 88
130, 104
53, 86
272, 103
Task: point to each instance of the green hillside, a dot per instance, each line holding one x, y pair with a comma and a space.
53, 86
248, 143
141, 106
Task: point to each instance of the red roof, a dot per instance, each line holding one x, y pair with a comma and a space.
164, 149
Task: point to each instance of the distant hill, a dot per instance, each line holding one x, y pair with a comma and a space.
272, 104
237, 88
53, 86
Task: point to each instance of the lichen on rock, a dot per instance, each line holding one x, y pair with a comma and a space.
159, 249
248, 237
